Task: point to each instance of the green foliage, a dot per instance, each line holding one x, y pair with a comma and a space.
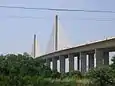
23, 70
22, 65
102, 76
55, 74
76, 74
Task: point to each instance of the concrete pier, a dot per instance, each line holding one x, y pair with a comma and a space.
78, 63
48, 62
106, 58
62, 64
54, 64
91, 60
99, 57
71, 62
83, 62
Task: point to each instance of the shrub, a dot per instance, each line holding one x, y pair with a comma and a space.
55, 74
102, 76
76, 74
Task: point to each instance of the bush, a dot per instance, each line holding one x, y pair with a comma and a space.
102, 76
76, 74
55, 74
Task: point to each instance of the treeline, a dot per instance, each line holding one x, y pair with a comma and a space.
23, 70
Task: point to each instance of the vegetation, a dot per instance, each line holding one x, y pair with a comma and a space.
23, 70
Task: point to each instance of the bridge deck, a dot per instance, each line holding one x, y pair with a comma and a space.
107, 43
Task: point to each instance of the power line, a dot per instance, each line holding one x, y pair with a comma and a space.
52, 9
69, 19
26, 17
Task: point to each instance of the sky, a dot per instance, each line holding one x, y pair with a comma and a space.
16, 34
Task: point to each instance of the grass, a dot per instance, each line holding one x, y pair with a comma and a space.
68, 82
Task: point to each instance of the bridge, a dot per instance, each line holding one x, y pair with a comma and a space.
98, 50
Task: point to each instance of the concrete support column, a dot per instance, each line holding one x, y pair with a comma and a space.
71, 62
91, 60
54, 62
99, 57
62, 64
48, 62
83, 62
106, 58
78, 63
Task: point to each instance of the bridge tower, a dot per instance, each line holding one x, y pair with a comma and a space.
58, 38
56, 33
35, 48
58, 41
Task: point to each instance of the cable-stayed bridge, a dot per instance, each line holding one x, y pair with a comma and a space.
58, 39
88, 55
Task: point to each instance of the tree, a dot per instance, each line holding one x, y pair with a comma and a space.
102, 76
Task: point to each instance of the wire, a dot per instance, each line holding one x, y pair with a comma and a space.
52, 9
26, 17
72, 19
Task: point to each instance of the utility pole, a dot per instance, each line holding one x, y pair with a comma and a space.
56, 32
34, 46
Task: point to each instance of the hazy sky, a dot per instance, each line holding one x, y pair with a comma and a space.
16, 34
